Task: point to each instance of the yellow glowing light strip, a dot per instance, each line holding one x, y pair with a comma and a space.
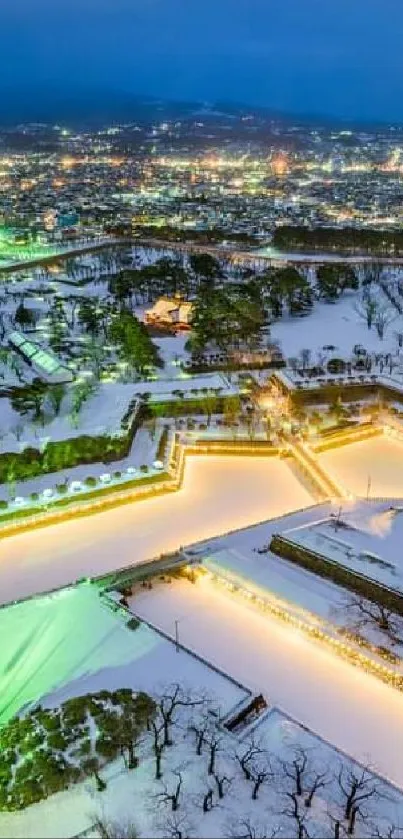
341, 649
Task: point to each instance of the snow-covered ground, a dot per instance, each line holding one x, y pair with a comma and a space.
337, 324
302, 595
72, 642
172, 349
244, 559
163, 388
97, 650
219, 494
281, 740
375, 465
143, 453
354, 711
368, 540
100, 414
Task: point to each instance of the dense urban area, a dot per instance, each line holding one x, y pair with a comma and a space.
201, 478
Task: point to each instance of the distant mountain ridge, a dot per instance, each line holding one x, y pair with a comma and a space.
95, 107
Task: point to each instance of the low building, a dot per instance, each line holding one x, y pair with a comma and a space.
43, 361
170, 312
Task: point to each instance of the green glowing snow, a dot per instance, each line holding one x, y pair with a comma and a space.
50, 641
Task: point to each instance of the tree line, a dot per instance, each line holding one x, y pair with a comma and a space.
339, 239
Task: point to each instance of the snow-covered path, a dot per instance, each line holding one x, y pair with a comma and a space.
354, 711
218, 495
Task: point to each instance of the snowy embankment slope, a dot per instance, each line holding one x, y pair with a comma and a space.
243, 558
72, 642
366, 537
143, 452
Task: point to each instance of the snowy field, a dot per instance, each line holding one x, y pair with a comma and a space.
377, 461
337, 324
72, 643
294, 673
101, 414
219, 494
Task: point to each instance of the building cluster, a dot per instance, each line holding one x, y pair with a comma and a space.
195, 177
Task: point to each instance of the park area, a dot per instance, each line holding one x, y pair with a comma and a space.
328, 695
371, 467
210, 779
219, 494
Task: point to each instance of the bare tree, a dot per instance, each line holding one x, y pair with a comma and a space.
248, 828
357, 786
177, 826
305, 781
223, 784
92, 766
390, 831
215, 744
260, 775
172, 797
399, 339
114, 829
17, 431
319, 780
385, 315
200, 730
372, 273
366, 613
296, 770
337, 829
305, 357
245, 759
208, 801
202, 726
366, 307
129, 736
172, 698
296, 811
157, 729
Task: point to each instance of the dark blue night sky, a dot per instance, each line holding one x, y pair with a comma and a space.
336, 57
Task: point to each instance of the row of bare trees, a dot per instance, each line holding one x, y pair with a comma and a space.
293, 787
